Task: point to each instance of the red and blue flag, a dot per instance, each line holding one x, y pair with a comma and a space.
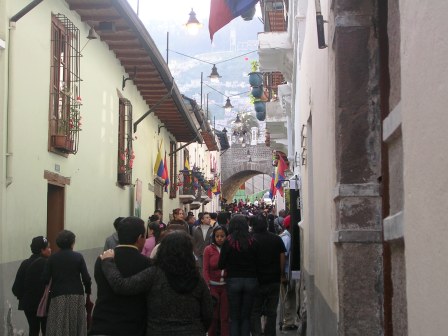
224, 11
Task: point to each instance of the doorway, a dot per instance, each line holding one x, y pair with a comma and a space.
55, 213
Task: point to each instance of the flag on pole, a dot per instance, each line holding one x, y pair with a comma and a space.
165, 174
224, 11
272, 189
280, 176
158, 166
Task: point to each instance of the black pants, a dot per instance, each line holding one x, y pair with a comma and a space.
35, 323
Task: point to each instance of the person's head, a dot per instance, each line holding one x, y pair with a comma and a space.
223, 218
153, 218
205, 220
191, 219
178, 214
40, 245
175, 258
117, 221
159, 213
65, 240
219, 235
238, 223
131, 231
259, 223
154, 230
213, 216
281, 213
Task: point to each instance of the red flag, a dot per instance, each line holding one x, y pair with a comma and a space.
224, 11
281, 168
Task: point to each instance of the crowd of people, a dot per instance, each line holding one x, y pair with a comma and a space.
219, 274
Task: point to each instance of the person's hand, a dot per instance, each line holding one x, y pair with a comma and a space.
107, 254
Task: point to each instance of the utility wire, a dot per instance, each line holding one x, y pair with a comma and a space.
228, 96
200, 60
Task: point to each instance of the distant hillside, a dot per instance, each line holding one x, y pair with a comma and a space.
237, 38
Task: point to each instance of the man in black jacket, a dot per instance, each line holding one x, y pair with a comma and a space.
114, 314
270, 271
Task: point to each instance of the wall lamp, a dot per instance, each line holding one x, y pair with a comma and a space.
320, 26
123, 83
92, 35
160, 127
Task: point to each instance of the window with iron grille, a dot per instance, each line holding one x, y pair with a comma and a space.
65, 91
173, 170
125, 152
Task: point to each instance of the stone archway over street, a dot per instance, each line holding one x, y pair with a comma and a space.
236, 168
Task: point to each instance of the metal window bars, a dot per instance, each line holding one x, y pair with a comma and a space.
65, 116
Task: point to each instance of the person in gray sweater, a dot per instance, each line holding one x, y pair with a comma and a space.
177, 298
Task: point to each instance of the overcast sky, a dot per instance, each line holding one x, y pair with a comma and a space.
172, 10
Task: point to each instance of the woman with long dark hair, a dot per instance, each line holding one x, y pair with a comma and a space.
178, 300
238, 256
214, 277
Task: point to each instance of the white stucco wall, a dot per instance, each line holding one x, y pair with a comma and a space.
316, 99
424, 73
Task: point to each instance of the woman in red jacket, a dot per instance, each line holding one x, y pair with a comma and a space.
214, 278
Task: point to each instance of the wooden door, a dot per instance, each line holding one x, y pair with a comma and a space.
55, 213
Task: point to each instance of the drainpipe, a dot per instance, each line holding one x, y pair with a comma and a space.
7, 120
320, 26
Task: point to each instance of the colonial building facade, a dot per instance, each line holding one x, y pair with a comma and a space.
366, 97
88, 108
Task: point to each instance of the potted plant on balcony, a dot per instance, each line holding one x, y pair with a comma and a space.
125, 164
259, 106
67, 127
255, 77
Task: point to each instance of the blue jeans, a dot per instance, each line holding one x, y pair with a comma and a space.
241, 293
266, 303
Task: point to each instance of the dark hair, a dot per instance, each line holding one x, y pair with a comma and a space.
38, 244
175, 258
215, 229
65, 239
117, 221
213, 215
239, 237
223, 217
155, 227
158, 211
130, 229
153, 218
259, 223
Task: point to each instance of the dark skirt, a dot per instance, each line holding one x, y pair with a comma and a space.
67, 316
